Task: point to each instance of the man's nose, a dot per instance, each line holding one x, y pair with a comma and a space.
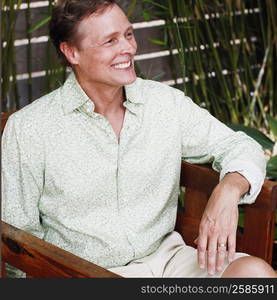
128, 46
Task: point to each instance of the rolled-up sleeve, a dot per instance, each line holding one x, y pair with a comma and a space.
207, 140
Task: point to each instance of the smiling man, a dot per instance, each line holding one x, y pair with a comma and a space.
94, 166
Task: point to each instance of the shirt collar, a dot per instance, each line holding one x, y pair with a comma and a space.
133, 92
73, 96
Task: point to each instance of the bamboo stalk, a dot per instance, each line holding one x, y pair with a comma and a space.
29, 51
10, 98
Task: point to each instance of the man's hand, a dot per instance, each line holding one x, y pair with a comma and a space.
217, 230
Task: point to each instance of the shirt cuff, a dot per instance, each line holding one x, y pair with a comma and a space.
254, 175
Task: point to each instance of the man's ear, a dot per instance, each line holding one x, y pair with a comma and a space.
70, 52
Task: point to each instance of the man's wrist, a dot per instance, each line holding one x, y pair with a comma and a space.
236, 182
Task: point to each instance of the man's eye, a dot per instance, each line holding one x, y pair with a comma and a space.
111, 41
130, 34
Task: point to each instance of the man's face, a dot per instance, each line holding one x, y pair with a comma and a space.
105, 53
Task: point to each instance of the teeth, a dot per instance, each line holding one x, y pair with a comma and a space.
123, 66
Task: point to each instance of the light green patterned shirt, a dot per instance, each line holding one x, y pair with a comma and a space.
67, 180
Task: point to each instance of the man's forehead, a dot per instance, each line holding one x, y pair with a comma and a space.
104, 25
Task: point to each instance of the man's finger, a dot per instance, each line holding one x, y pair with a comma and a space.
211, 255
201, 251
221, 253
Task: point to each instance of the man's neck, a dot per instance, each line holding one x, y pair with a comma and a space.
108, 103
107, 100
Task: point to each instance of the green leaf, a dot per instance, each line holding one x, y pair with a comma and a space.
258, 136
157, 42
272, 125
131, 8
146, 15
39, 24
158, 76
156, 4
271, 167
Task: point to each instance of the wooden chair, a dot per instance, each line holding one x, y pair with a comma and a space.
43, 260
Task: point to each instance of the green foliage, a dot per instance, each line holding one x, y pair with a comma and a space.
273, 125
55, 73
257, 135
9, 90
271, 167
265, 142
39, 24
226, 55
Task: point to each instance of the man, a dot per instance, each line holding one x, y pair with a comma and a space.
94, 166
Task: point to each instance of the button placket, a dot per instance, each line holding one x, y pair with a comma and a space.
100, 120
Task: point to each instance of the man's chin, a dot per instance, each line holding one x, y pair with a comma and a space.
131, 80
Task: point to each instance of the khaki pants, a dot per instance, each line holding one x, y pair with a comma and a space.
172, 259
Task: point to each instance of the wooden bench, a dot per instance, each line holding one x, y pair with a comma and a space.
40, 259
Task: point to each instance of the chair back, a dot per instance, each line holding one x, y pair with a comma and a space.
4, 118
255, 237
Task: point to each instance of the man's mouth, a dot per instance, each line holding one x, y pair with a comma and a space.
122, 66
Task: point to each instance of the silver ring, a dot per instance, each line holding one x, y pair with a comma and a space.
222, 245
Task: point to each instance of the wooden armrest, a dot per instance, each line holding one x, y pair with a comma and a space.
259, 220
41, 259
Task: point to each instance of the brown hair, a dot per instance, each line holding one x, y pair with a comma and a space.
66, 15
